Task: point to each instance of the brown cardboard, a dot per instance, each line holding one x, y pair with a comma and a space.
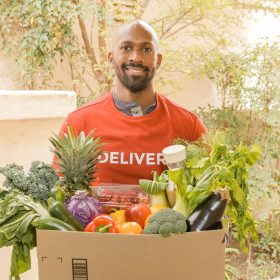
190, 256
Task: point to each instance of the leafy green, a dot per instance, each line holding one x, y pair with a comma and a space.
17, 211
225, 167
188, 197
156, 188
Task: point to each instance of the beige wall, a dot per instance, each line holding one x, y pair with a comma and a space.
27, 120
24, 140
7, 68
195, 93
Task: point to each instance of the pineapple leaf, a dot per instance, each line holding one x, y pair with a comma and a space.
77, 158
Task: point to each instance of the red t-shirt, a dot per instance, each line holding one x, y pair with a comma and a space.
133, 143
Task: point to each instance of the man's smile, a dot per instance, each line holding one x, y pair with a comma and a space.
134, 76
135, 70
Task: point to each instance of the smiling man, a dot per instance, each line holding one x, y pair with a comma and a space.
135, 121
135, 56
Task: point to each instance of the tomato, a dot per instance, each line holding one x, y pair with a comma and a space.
118, 216
138, 214
130, 228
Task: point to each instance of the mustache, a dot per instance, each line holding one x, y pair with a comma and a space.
138, 65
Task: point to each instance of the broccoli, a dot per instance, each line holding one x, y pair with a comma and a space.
44, 174
37, 183
165, 222
37, 190
15, 177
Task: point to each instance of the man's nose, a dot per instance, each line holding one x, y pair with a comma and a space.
136, 56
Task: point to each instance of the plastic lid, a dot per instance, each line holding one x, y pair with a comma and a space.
174, 153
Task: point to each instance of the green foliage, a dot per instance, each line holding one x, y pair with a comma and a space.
248, 89
230, 270
247, 80
267, 250
39, 30
251, 110
41, 33
226, 166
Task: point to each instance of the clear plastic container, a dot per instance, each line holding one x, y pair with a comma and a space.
174, 156
120, 196
175, 165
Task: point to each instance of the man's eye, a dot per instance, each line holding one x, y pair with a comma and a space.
147, 50
125, 48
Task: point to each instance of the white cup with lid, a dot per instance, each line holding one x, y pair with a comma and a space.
175, 156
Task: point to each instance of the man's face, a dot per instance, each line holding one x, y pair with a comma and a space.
135, 58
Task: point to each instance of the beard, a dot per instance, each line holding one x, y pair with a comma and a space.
135, 83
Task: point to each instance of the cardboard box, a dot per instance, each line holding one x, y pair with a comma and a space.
98, 256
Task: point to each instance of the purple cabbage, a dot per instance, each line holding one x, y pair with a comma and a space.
84, 208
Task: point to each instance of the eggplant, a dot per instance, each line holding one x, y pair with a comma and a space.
209, 213
217, 225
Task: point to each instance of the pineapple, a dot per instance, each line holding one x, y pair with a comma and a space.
76, 157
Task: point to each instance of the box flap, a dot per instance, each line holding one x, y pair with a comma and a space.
96, 256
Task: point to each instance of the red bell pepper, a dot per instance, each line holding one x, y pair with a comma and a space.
102, 223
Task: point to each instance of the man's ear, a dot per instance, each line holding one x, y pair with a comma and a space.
159, 59
110, 57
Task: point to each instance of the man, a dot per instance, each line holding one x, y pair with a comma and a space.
135, 122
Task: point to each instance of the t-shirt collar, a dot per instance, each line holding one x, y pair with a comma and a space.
132, 108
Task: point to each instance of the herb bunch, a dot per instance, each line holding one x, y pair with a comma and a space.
213, 164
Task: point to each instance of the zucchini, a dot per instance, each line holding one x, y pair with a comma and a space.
51, 223
59, 211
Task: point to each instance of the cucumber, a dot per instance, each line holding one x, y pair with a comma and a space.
51, 223
57, 193
59, 211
